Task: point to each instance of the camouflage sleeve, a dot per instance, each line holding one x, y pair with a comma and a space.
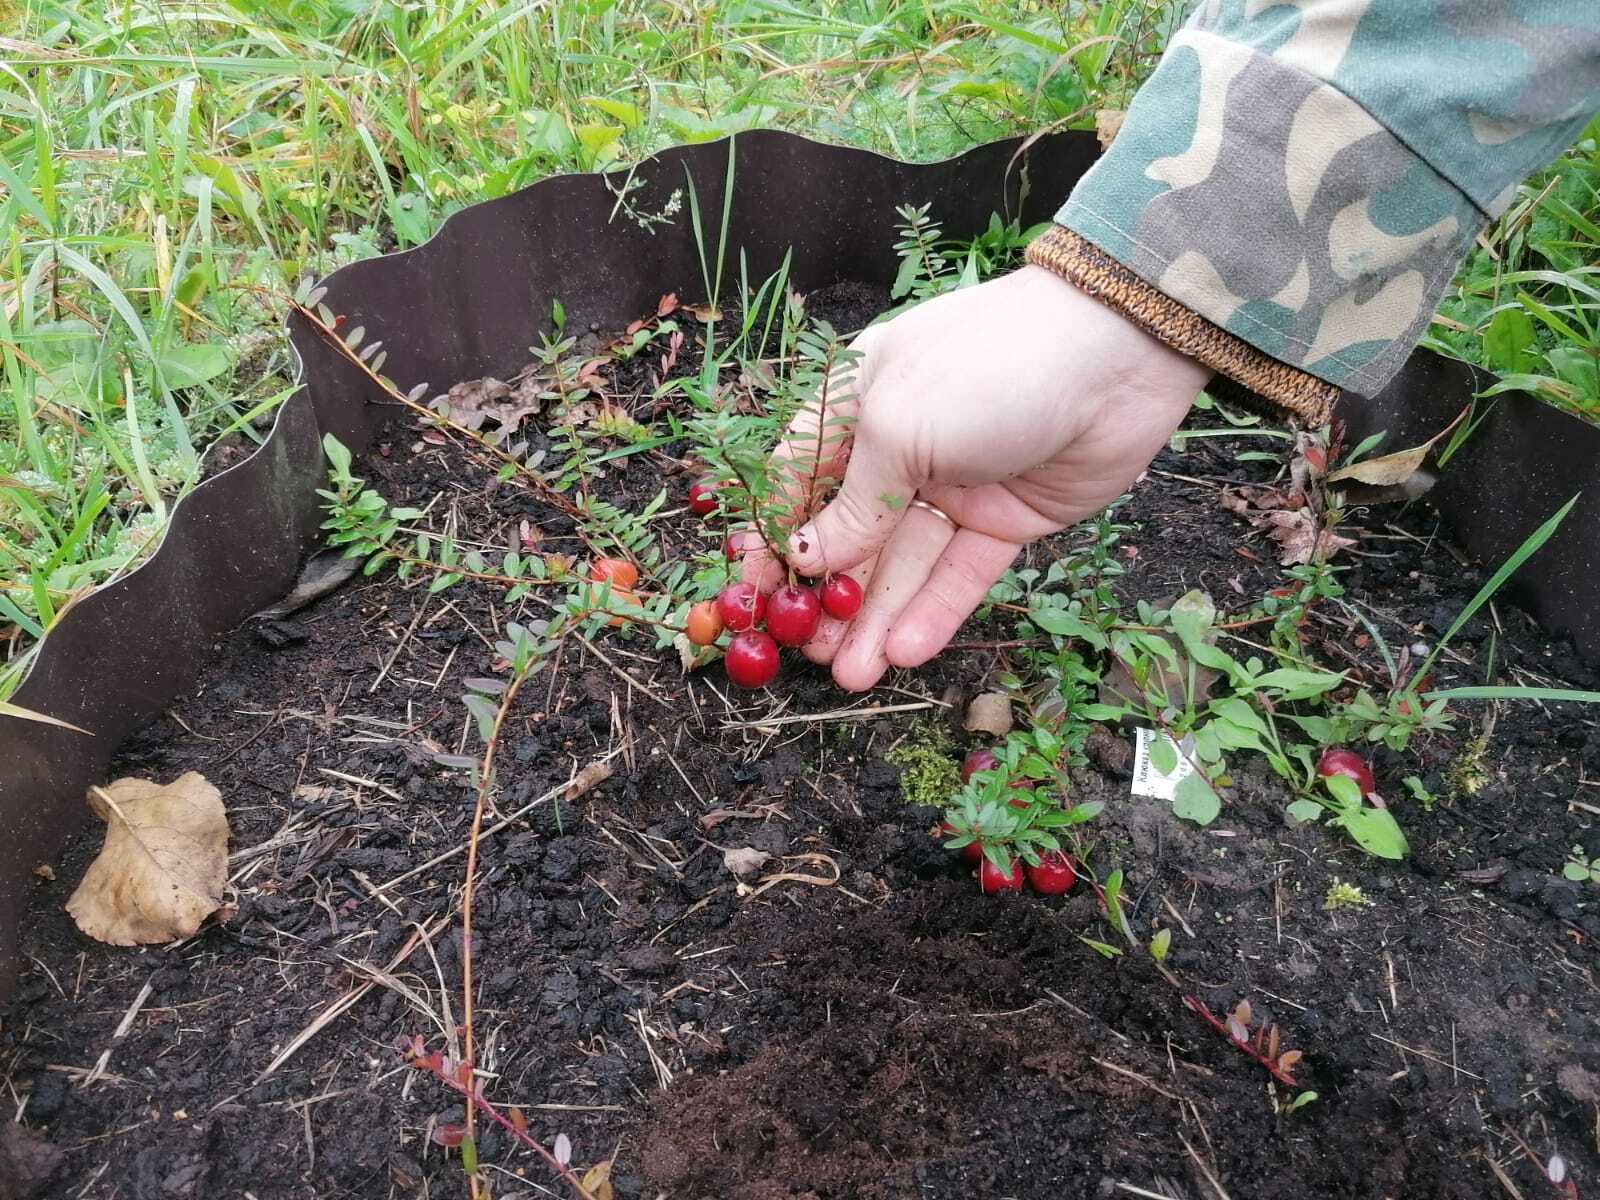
1307, 174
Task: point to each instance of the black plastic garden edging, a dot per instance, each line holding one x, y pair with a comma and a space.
474, 298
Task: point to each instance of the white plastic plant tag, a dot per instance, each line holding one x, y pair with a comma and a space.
1158, 765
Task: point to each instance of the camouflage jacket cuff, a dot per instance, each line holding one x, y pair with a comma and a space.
1274, 206
1095, 272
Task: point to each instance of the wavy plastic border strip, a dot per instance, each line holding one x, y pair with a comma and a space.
474, 298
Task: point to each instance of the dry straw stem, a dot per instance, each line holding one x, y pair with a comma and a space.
469, 889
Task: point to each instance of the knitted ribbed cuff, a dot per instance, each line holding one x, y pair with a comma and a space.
1090, 269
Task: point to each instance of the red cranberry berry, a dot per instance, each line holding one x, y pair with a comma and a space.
1336, 760
978, 760
992, 879
1054, 874
841, 597
751, 659
703, 495
742, 606
793, 614
971, 853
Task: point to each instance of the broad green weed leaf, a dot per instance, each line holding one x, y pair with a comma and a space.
1195, 800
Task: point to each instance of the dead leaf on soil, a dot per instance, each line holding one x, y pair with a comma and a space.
597, 1181
744, 861
690, 656
474, 401
1287, 520
1403, 475
45, 871
164, 864
989, 713
1299, 536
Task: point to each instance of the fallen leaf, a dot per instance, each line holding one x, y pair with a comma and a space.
989, 713
1403, 469
1235, 501
164, 863
476, 401
704, 313
45, 871
597, 1181
690, 656
1107, 124
1299, 536
1307, 464
744, 861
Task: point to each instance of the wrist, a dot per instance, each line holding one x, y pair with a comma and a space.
1082, 265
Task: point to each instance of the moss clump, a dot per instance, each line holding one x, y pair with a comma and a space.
1469, 774
929, 772
1343, 895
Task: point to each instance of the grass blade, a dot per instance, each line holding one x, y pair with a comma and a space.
1523, 552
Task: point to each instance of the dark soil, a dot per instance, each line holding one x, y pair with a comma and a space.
894, 1035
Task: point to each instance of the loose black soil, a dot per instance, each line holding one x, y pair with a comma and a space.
894, 1035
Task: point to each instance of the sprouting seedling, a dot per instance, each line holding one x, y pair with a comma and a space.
1580, 868
1262, 1043
460, 1078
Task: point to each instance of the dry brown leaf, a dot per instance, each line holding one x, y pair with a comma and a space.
1387, 470
1107, 124
164, 863
1398, 470
1235, 501
1299, 536
597, 1181
475, 401
744, 861
989, 713
704, 313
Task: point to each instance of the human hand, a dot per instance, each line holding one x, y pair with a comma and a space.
1016, 408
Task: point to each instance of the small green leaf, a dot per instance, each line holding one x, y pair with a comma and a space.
1195, 800
1160, 944
1163, 754
1100, 948
1305, 812
1345, 791
1375, 831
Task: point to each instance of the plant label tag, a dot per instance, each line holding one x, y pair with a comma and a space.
1158, 765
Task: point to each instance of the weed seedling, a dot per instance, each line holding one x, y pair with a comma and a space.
1581, 868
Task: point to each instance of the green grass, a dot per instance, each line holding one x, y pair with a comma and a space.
1526, 303
167, 171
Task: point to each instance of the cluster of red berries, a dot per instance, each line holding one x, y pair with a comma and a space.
1054, 873
760, 624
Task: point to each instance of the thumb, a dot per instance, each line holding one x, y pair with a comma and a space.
878, 486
